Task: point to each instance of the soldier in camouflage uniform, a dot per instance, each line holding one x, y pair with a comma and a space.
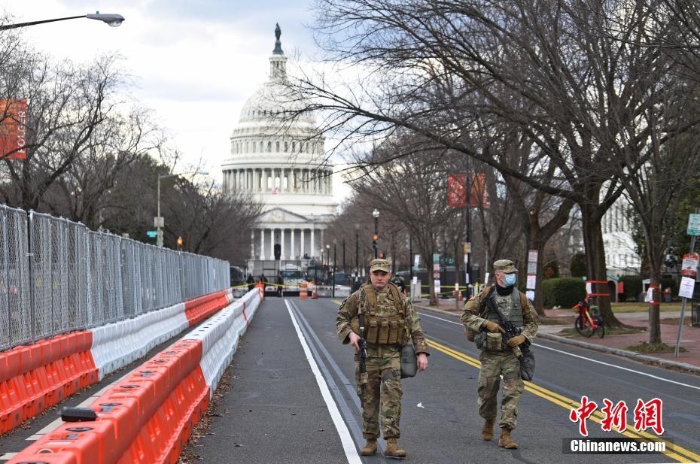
498, 356
390, 322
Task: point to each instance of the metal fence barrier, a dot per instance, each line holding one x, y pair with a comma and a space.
58, 276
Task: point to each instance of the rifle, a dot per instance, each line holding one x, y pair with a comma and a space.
510, 330
363, 356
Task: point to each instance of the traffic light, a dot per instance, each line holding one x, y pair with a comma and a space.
374, 237
179, 243
382, 255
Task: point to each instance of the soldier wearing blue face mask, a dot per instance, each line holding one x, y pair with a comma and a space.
482, 318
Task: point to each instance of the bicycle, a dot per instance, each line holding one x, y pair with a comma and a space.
588, 321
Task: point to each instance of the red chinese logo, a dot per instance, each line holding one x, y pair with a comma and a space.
646, 415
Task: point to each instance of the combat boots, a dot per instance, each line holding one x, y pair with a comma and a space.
370, 448
506, 441
393, 450
487, 431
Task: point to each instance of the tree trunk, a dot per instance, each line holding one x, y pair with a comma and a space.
595, 262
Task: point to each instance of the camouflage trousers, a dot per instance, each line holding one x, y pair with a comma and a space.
493, 365
382, 396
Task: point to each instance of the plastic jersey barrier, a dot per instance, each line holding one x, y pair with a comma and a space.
145, 418
203, 307
36, 377
118, 344
148, 416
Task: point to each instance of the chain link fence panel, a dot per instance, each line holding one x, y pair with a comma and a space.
57, 276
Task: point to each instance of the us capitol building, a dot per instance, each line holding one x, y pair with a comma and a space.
279, 161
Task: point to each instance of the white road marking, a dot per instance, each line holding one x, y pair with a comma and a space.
586, 358
345, 438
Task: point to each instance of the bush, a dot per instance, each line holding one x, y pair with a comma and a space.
633, 286
565, 292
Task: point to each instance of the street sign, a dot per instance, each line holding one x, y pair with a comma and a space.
694, 224
158, 221
151, 233
689, 268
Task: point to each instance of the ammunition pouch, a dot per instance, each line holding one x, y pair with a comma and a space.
493, 342
386, 330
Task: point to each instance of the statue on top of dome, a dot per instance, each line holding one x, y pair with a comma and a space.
278, 44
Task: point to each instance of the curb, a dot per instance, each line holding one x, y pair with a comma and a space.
592, 346
625, 353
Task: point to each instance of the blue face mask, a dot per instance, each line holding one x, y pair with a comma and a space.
509, 280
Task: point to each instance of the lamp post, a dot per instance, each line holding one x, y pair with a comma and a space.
158, 220
113, 20
335, 257
375, 215
357, 251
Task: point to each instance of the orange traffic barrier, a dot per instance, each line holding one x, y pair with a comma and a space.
36, 377
303, 291
145, 418
201, 308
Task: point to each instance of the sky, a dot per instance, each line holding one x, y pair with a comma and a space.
194, 62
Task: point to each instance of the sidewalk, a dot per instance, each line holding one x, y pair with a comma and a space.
551, 329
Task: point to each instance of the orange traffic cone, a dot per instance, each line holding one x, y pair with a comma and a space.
313, 293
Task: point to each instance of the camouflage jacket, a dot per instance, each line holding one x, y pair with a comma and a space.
348, 315
475, 306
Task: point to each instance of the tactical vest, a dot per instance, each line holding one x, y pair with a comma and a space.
514, 313
385, 317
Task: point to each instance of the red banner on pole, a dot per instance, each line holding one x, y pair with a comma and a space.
456, 190
13, 129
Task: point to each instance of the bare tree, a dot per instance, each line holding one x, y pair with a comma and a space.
573, 76
656, 194
208, 221
81, 193
411, 190
67, 105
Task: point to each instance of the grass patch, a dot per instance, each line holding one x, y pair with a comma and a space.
645, 347
571, 332
636, 307
544, 320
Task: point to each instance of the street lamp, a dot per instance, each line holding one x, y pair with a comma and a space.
113, 20
357, 251
375, 215
158, 220
335, 257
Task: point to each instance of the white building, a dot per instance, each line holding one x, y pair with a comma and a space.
280, 161
620, 250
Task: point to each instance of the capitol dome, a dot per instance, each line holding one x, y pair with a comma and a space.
278, 158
